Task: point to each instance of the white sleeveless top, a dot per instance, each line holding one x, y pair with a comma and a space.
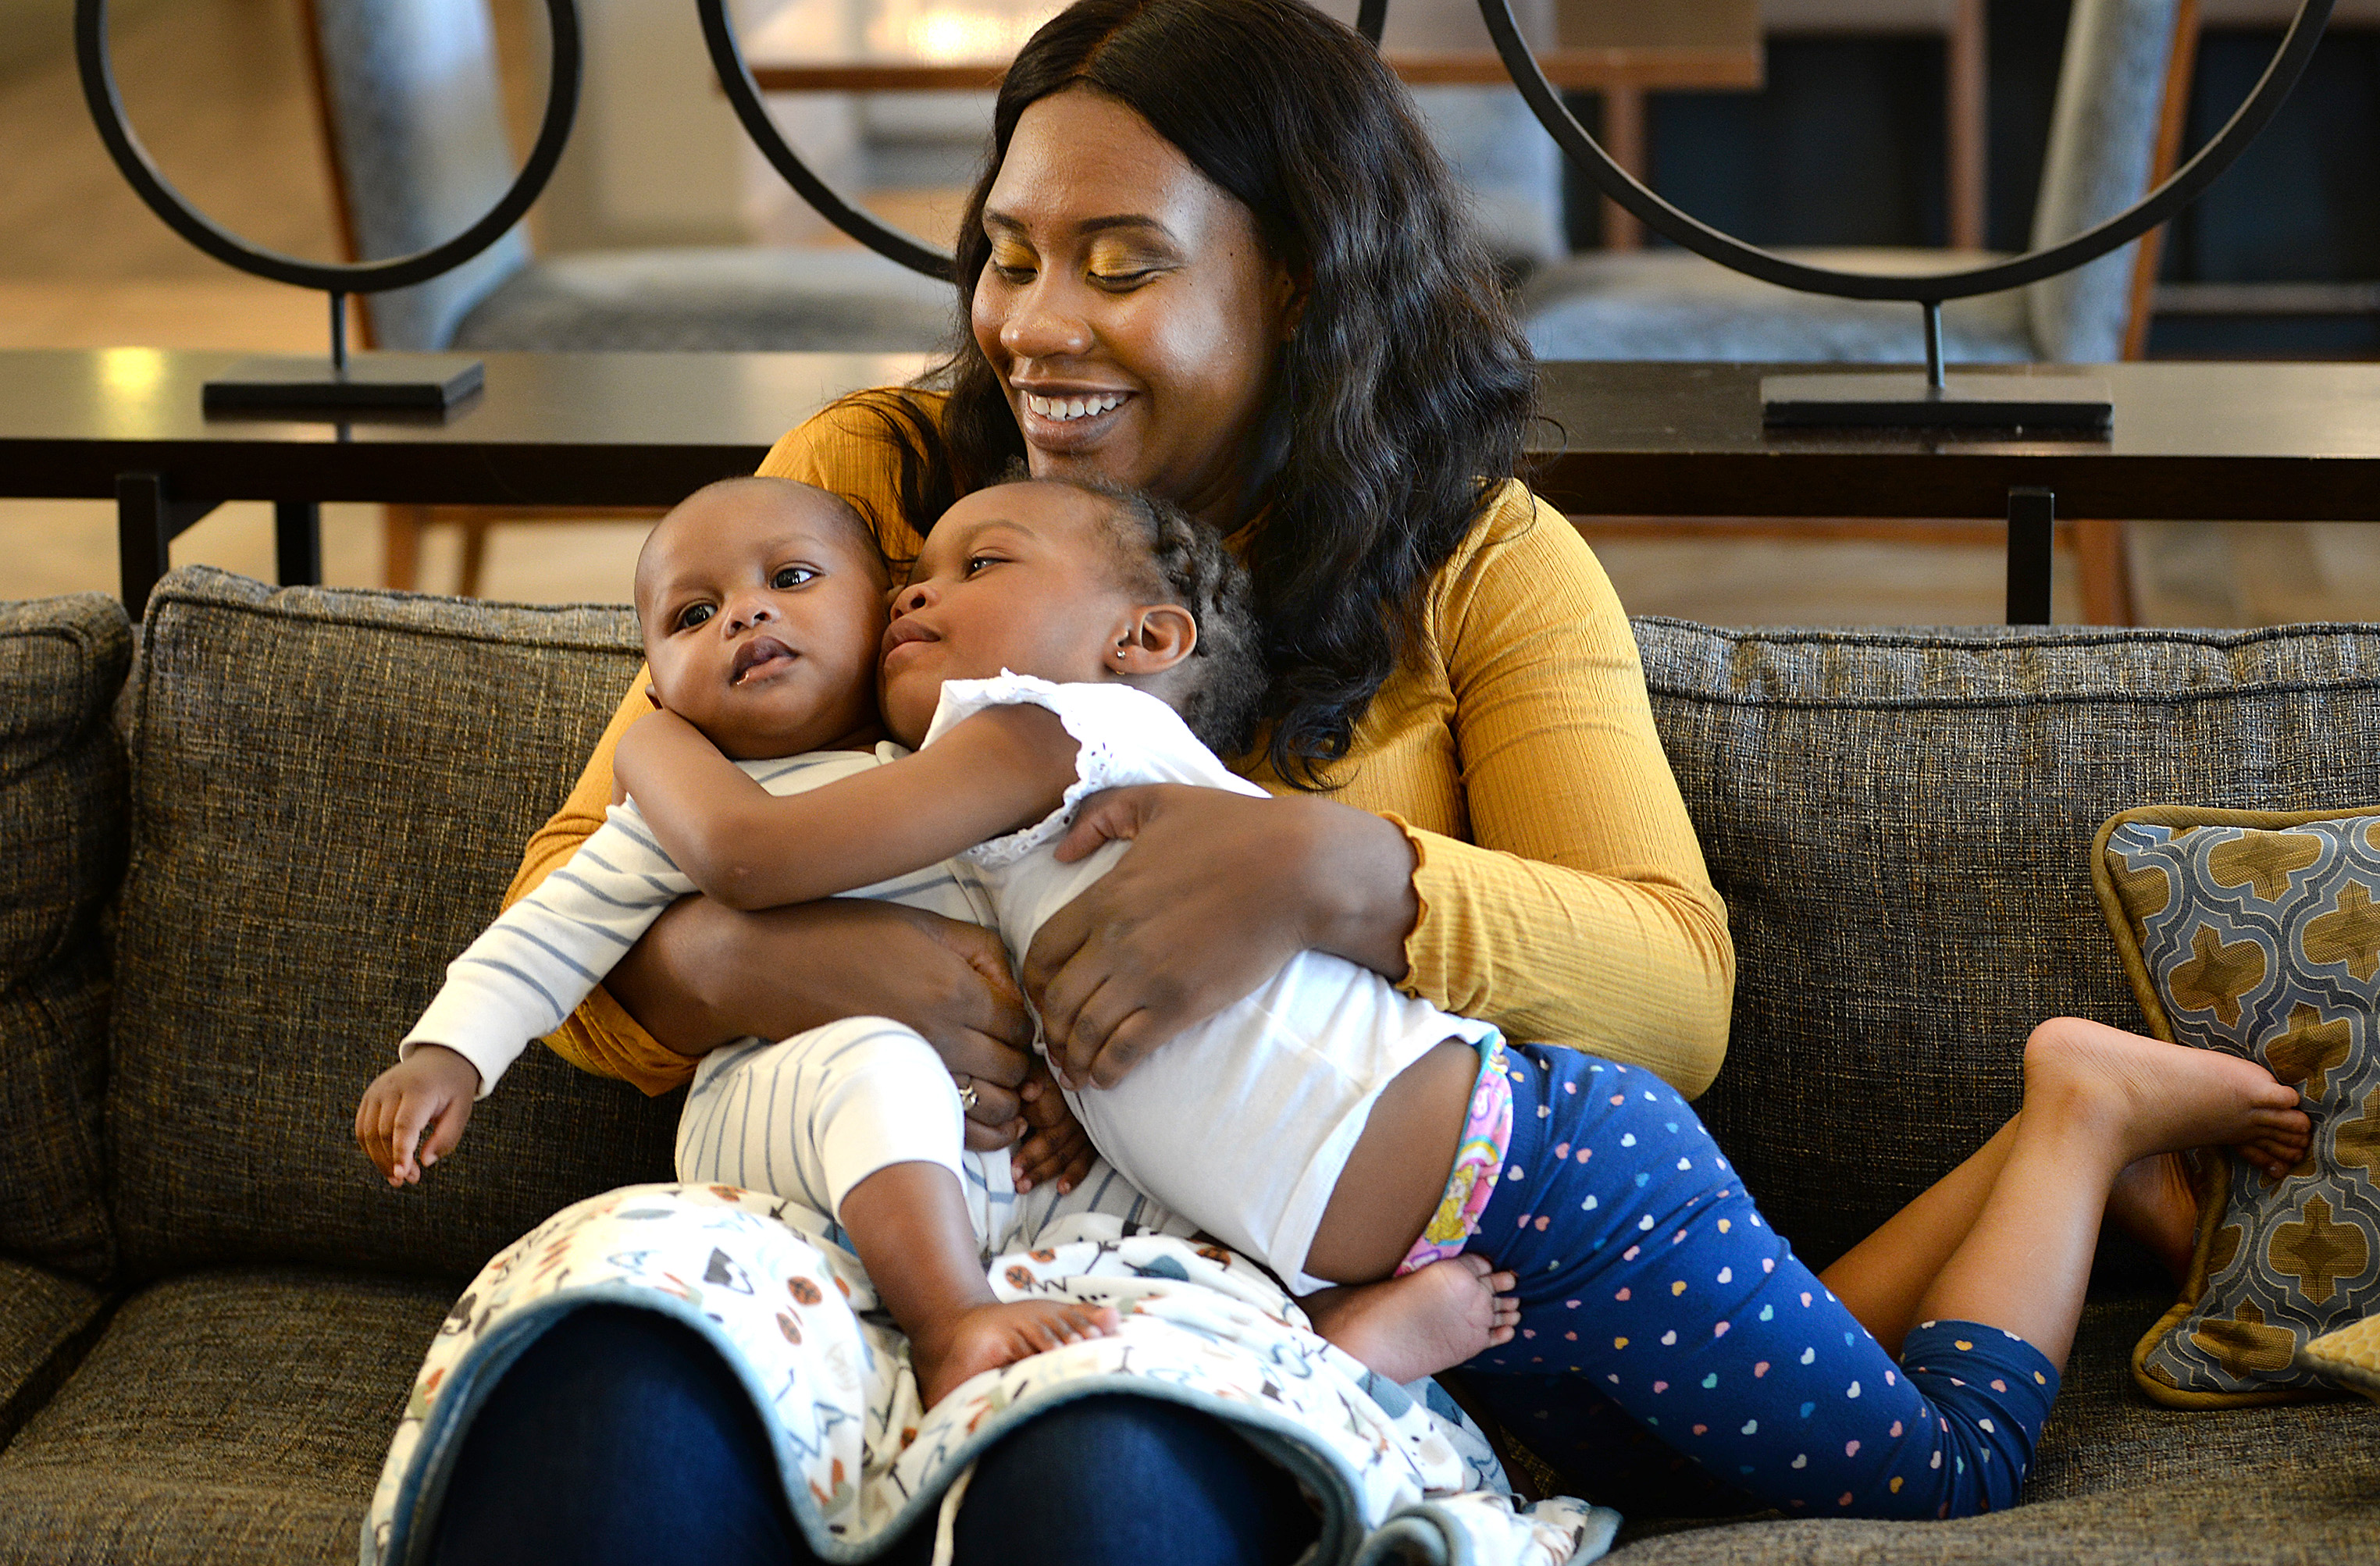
1244, 1122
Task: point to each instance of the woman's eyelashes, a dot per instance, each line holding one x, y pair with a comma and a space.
1115, 276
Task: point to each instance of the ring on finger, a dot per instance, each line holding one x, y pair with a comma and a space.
968, 1095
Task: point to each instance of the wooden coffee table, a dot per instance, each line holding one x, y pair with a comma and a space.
2192, 442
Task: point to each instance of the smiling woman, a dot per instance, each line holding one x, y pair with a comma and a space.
1213, 255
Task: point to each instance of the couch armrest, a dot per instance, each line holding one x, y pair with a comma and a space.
63, 810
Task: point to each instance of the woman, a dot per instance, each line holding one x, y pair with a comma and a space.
1213, 255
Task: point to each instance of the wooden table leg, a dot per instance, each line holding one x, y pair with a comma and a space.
298, 543
2105, 569
147, 519
1967, 73
2032, 525
1623, 137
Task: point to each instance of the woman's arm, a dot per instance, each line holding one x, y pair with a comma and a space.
1551, 881
994, 772
1576, 909
1218, 892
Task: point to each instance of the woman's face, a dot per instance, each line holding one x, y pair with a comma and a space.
1128, 307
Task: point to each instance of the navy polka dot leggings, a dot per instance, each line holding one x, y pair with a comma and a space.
1654, 1299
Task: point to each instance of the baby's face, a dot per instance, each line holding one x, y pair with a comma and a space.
1018, 577
762, 615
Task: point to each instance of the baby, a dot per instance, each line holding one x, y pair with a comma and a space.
762, 607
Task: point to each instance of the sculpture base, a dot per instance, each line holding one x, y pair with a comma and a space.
391, 381
2068, 404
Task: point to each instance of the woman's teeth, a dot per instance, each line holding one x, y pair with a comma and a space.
1073, 407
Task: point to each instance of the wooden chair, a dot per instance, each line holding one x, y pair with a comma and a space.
2117, 130
412, 111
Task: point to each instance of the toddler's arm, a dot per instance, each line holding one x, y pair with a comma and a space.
1001, 770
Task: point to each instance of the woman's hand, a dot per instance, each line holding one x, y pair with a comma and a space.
1217, 892
705, 974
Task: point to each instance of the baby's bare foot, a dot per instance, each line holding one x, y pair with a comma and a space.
2146, 1096
945, 1354
2155, 1201
1425, 1322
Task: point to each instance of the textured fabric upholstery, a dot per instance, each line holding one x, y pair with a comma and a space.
225, 1417
331, 790
1675, 305
417, 113
43, 1317
685, 299
1506, 163
1901, 822
2102, 146
62, 793
1671, 304
1503, 158
2115, 1478
417, 116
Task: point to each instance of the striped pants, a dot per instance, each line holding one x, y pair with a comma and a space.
808, 1118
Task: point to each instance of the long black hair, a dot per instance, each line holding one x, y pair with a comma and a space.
1398, 405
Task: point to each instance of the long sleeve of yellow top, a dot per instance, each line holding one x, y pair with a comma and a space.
1564, 895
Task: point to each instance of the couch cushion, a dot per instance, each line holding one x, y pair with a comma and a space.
62, 662
331, 790
44, 1318
2117, 1478
2251, 932
223, 1417
1901, 822
737, 299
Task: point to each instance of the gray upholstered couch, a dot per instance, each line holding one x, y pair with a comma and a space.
225, 885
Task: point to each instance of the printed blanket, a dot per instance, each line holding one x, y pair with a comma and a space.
769, 1284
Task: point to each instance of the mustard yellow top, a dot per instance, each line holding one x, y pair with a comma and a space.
1564, 895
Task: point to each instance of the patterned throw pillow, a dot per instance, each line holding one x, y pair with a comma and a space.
2258, 933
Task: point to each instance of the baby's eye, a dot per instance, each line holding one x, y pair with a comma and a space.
977, 562
694, 614
792, 576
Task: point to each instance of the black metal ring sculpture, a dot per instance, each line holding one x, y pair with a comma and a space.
2186, 184
2183, 186
735, 80
337, 278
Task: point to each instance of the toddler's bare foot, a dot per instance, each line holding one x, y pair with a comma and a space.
2146, 1096
2155, 1203
945, 1353
1427, 1321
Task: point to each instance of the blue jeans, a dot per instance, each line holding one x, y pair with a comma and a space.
622, 1436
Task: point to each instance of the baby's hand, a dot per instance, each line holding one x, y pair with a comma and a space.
1055, 1146
430, 1089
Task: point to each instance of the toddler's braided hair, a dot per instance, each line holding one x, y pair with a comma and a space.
1162, 552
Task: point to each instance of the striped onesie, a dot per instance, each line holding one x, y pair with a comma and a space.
805, 1118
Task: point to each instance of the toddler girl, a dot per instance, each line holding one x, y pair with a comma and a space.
1056, 639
